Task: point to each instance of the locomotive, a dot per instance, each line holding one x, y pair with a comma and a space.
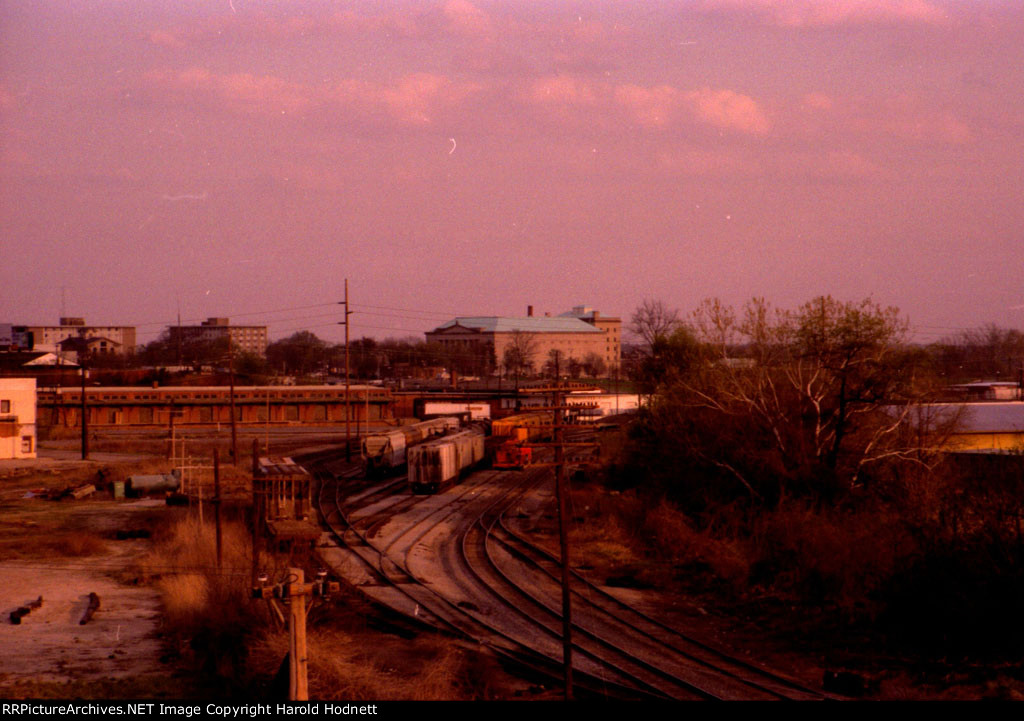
512, 435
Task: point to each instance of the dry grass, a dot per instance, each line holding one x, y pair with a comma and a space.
27, 542
342, 667
187, 547
825, 556
209, 617
671, 536
223, 633
619, 534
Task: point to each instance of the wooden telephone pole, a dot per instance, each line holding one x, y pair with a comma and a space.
297, 596
85, 415
562, 495
348, 422
561, 491
234, 420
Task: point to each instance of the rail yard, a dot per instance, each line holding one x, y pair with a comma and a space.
461, 560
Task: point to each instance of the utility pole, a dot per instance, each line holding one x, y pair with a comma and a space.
562, 498
348, 421
85, 414
216, 505
563, 532
177, 336
234, 424
257, 519
294, 594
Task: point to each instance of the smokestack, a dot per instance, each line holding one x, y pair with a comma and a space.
529, 311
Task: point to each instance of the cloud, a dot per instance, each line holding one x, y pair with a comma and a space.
562, 90
240, 92
651, 107
465, 18
166, 39
659, 107
450, 18
906, 117
413, 99
729, 109
416, 98
820, 13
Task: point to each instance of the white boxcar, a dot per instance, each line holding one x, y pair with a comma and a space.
434, 464
385, 452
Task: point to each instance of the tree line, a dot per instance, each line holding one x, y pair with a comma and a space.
304, 354
796, 454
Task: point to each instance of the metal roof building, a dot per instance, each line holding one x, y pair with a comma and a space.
981, 427
579, 334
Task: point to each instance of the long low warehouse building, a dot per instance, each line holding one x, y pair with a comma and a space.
200, 405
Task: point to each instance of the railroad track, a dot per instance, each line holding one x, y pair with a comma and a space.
423, 605
453, 561
536, 573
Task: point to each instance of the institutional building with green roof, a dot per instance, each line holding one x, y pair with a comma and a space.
576, 334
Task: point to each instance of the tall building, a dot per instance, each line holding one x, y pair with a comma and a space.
247, 338
118, 339
577, 334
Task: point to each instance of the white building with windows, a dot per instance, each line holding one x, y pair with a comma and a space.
17, 418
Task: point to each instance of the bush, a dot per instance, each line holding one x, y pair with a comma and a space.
208, 614
958, 600
833, 556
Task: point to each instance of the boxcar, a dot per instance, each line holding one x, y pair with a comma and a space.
437, 463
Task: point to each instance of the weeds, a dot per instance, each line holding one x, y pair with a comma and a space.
208, 615
343, 668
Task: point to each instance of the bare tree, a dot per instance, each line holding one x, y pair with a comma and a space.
518, 356
594, 365
816, 395
653, 320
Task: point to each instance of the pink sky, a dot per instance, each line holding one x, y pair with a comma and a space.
239, 158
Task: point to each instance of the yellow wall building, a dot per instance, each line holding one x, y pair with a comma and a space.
17, 418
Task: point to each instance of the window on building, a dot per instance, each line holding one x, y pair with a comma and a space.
26, 444
5, 406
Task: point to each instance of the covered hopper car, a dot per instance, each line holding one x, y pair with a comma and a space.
386, 452
437, 463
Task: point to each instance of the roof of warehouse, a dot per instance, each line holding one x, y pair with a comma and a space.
531, 324
986, 417
993, 418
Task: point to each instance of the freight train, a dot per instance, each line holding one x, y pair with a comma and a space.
511, 437
443, 461
386, 452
